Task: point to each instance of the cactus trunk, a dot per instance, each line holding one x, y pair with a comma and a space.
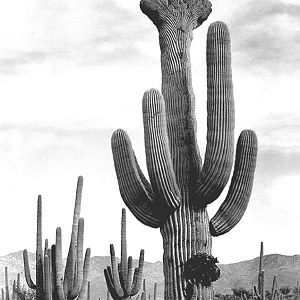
185, 233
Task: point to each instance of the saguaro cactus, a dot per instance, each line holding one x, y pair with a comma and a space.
259, 291
122, 282
51, 281
180, 186
144, 292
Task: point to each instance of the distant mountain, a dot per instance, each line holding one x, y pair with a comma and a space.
241, 274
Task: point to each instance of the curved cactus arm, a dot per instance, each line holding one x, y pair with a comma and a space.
134, 188
235, 204
138, 275
114, 268
58, 266
72, 254
79, 262
220, 116
27, 270
110, 284
159, 162
86, 270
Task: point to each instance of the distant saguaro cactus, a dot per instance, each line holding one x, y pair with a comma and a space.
51, 282
180, 187
122, 282
259, 291
144, 292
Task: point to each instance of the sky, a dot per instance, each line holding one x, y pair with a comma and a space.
71, 72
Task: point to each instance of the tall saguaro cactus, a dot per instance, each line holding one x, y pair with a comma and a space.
180, 186
51, 282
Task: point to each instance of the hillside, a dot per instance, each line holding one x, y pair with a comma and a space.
241, 274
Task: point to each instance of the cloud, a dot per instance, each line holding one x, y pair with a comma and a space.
281, 131
13, 64
63, 32
265, 35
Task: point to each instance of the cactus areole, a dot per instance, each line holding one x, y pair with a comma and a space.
181, 186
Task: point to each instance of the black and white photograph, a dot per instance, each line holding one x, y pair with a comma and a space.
149, 149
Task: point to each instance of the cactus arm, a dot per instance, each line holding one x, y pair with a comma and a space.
260, 267
110, 284
274, 290
49, 253
39, 252
86, 270
124, 264
89, 291
134, 188
18, 281
27, 270
235, 204
129, 276
79, 265
53, 273
58, 265
155, 291
48, 292
159, 162
137, 280
14, 290
220, 116
122, 282
72, 254
135, 274
6, 285
44, 268
114, 268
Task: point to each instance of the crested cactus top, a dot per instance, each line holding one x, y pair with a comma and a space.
162, 11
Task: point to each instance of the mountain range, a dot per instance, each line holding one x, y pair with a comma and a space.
241, 274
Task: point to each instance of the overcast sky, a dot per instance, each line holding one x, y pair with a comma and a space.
73, 71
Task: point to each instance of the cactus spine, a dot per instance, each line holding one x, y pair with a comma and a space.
180, 187
52, 283
122, 282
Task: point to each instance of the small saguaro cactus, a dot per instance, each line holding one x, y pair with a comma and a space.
180, 188
51, 282
7, 297
144, 292
259, 291
122, 282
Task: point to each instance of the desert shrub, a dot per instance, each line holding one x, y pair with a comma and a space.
240, 291
24, 293
285, 290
